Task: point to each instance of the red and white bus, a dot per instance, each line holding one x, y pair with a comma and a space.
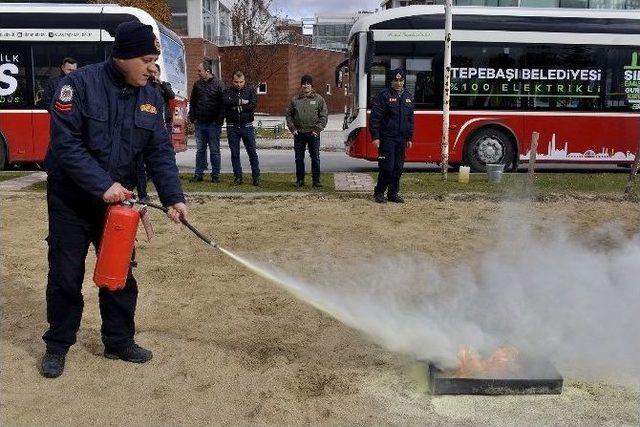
572, 75
33, 41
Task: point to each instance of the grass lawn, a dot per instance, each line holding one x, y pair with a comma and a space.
4, 175
416, 182
515, 183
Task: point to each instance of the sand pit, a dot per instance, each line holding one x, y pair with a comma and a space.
230, 348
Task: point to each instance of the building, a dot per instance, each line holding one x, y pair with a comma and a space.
332, 31
588, 4
291, 63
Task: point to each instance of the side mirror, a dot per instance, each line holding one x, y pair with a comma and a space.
339, 73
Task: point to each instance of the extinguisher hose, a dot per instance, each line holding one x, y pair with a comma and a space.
184, 221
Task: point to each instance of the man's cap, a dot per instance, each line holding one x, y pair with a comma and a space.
397, 74
134, 39
306, 79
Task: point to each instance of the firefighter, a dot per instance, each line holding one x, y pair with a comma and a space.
392, 132
103, 116
68, 65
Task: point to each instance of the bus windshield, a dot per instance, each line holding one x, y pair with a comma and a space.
174, 70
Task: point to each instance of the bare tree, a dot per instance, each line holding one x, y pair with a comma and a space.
258, 38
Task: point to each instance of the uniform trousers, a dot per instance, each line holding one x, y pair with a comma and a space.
76, 220
390, 166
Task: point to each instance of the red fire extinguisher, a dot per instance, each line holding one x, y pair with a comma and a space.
116, 247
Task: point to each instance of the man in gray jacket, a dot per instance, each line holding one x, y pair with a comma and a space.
306, 117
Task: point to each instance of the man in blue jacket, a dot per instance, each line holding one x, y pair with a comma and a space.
103, 117
69, 65
392, 131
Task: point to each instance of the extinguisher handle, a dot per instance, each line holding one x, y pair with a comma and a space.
186, 223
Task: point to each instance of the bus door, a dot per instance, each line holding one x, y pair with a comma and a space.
16, 100
421, 63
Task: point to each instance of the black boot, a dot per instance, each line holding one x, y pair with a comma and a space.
299, 183
52, 365
317, 184
134, 353
379, 198
396, 199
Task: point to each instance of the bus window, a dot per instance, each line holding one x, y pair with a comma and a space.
622, 79
14, 86
419, 80
47, 58
174, 70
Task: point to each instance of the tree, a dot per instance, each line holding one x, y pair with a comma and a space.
159, 9
258, 37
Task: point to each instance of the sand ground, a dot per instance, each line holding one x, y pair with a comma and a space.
231, 348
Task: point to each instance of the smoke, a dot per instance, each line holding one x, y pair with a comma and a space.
567, 298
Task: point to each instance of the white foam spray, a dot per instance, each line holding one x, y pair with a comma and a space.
551, 295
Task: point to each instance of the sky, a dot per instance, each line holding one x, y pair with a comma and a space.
309, 8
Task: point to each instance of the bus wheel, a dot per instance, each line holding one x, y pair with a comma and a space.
3, 154
487, 146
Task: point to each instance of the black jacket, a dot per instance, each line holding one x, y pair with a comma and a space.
99, 126
205, 104
239, 105
167, 93
50, 87
392, 115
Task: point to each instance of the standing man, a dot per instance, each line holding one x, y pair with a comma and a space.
307, 116
68, 65
167, 94
392, 132
206, 110
240, 104
104, 115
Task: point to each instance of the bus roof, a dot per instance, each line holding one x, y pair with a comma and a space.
366, 21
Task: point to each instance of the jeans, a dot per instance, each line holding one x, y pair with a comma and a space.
248, 137
207, 135
300, 142
390, 165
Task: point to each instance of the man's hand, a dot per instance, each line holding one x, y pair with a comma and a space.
295, 132
116, 193
314, 133
409, 144
177, 211
376, 142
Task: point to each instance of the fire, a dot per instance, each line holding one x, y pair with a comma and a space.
471, 364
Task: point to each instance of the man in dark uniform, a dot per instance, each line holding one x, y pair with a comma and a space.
103, 116
68, 65
392, 132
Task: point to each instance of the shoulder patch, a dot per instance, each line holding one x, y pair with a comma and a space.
66, 93
149, 108
393, 99
63, 107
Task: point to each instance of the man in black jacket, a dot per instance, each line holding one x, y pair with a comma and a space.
239, 105
68, 65
206, 110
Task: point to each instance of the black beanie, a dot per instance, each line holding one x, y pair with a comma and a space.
134, 39
306, 79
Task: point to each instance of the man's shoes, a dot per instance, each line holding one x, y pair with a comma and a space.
256, 182
395, 199
215, 179
317, 184
299, 184
52, 365
195, 179
134, 353
379, 198
237, 181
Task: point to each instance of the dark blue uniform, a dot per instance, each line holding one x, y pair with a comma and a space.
391, 123
99, 126
50, 90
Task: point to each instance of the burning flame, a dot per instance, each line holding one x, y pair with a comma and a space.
471, 364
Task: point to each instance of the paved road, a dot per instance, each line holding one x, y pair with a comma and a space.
282, 160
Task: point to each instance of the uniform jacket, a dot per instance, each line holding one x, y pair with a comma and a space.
167, 93
307, 113
235, 112
100, 126
205, 103
50, 89
392, 115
